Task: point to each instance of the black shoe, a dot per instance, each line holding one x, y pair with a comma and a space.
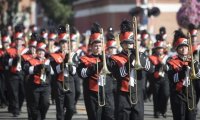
164, 115
15, 115
3, 106
156, 115
53, 102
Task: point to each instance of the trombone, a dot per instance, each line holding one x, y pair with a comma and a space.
137, 66
102, 76
192, 76
66, 87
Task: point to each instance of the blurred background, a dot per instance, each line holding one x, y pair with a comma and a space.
151, 14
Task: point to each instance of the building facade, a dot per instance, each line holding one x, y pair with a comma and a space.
112, 12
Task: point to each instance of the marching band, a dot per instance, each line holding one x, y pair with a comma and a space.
114, 72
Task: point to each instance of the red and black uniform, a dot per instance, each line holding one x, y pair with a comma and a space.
76, 59
37, 88
196, 53
26, 57
13, 63
87, 70
160, 85
120, 69
63, 73
3, 89
178, 74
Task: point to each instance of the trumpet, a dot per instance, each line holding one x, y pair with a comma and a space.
192, 76
102, 76
66, 84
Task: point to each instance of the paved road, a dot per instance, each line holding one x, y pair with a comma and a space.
82, 113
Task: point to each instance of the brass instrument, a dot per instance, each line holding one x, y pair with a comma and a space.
43, 72
1, 44
19, 67
102, 75
66, 84
198, 52
50, 47
161, 71
27, 37
137, 66
119, 48
149, 46
192, 76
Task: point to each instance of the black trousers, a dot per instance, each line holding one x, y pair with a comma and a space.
127, 111
197, 89
94, 111
180, 109
3, 90
53, 90
38, 101
64, 100
15, 93
77, 88
160, 95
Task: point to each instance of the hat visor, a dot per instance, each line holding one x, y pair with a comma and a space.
112, 47
180, 45
194, 35
52, 39
18, 38
159, 47
62, 40
32, 46
127, 41
5, 42
40, 49
96, 41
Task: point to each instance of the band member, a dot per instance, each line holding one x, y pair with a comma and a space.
37, 88
111, 48
31, 54
182, 93
89, 70
163, 33
121, 67
163, 37
160, 83
5, 40
43, 36
63, 82
145, 38
32, 48
15, 81
75, 39
52, 48
52, 36
196, 52
145, 47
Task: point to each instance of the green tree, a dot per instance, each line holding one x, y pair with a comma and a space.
60, 11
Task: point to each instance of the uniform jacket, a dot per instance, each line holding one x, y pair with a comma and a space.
178, 74
120, 68
35, 74
60, 69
